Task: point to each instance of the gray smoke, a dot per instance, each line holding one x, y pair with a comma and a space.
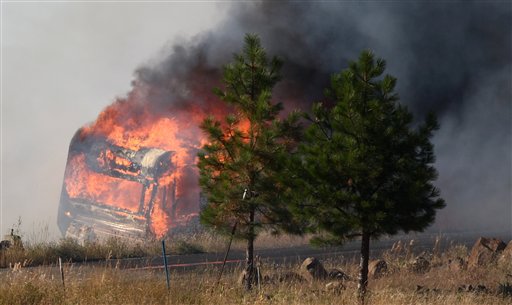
452, 58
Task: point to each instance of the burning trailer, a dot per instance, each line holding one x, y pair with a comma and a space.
111, 190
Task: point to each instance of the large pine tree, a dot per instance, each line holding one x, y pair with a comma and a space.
363, 170
238, 165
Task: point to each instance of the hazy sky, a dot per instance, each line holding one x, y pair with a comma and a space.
62, 63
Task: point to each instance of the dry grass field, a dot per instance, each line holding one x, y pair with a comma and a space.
107, 284
37, 251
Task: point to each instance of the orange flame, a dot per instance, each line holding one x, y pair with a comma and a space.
83, 183
131, 124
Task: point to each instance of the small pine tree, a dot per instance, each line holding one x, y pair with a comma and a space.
362, 170
238, 165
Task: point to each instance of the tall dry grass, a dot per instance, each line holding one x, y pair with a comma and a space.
38, 249
110, 285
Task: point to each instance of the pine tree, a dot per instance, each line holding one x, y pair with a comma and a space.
363, 170
238, 165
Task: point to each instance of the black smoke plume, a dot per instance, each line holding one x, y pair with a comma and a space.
452, 58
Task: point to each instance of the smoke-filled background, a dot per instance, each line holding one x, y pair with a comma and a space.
452, 58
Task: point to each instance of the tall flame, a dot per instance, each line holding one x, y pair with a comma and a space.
131, 124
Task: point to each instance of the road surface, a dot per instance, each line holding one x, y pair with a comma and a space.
293, 255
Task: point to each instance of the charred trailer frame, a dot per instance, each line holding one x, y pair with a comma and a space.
85, 219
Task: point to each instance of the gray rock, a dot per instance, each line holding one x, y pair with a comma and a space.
419, 265
377, 268
506, 255
339, 275
485, 251
314, 269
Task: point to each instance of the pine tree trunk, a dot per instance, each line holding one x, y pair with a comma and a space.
363, 266
249, 255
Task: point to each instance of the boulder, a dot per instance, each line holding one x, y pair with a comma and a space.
419, 265
337, 274
485, 251
377, 268
314, 269
506, 255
